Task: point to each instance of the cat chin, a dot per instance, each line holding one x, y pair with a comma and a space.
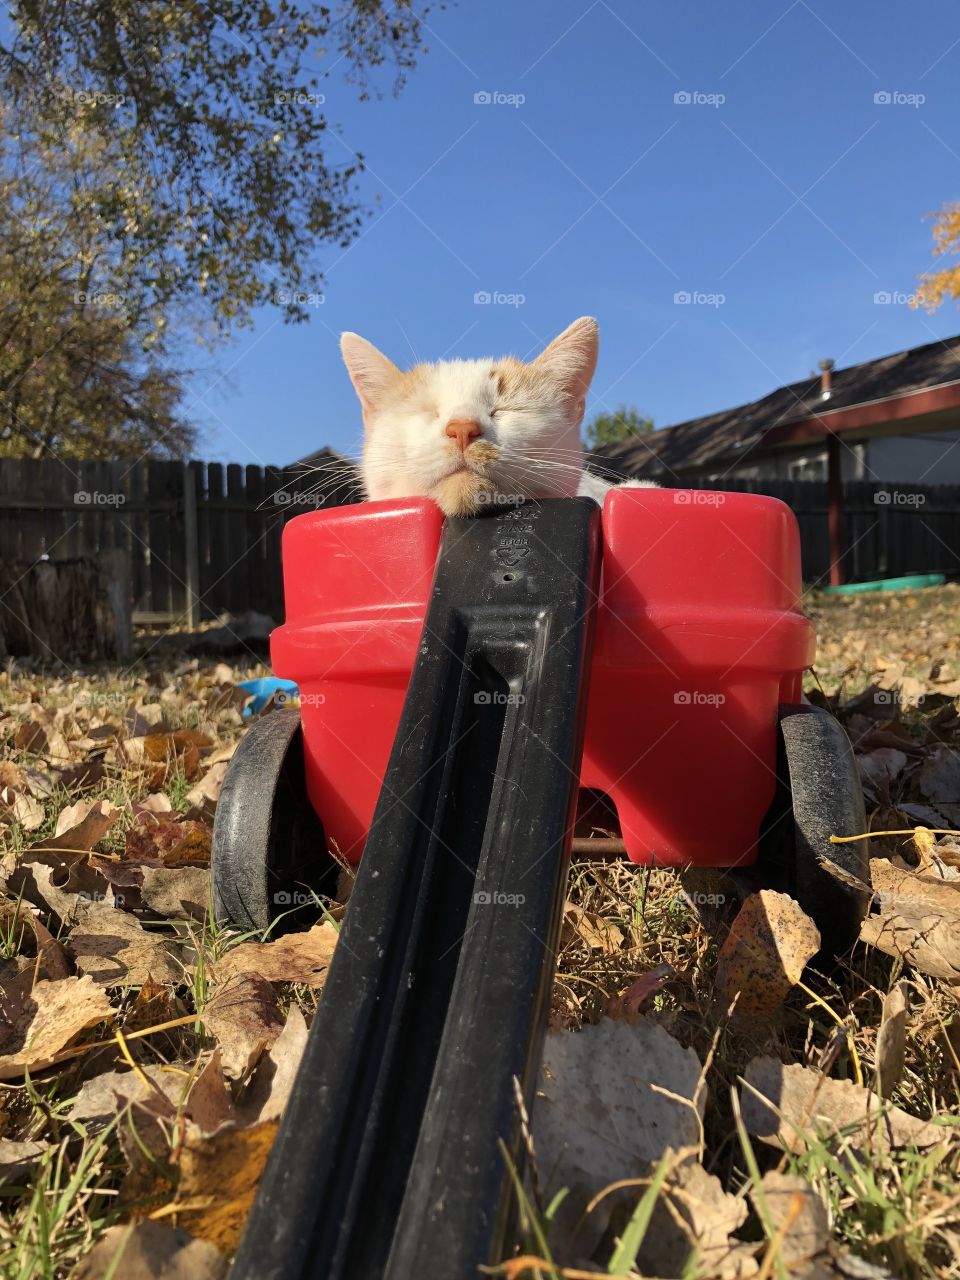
462, 494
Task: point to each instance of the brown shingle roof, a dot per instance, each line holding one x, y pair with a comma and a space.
703, 442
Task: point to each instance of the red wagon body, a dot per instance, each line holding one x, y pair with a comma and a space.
700, 636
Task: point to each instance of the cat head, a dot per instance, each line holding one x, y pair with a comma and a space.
465, 431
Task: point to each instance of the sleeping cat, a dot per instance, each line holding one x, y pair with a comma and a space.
473, 433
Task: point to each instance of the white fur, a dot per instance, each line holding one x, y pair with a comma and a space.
532, 425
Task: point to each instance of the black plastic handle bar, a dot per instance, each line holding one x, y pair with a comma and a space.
388, 1161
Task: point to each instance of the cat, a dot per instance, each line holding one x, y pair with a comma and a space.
473, 434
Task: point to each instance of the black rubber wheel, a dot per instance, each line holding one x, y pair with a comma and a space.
269, 854
818, 795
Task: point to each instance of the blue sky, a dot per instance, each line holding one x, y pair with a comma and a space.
782, 197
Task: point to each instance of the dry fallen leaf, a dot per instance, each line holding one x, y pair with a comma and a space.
101, 1097
780, 1103
28, 812
612, 1098
219, 1174
764, 955
160, 755
797, 1212
79, 827
276, 1072
296, 957
693, 1218
41, 1022
151, 1251
892, 1040
42, 953
210, 1105
244, 1016
17, 1159
115, 950
170, 844
598, 934
918, 920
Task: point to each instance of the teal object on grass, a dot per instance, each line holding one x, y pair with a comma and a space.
912, 582
263, 690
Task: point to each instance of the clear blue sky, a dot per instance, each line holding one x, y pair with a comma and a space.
798, 198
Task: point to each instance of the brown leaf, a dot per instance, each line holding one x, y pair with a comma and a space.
176, 892
296, 957
28, 812
219, 1174
244, 1016
40, 737
592, 929
79, 827
693, 1218
276, 1072
43, 1021
115, 950
19, 923
781, 1103
764, 954
892, 1040
170, 844
18, 1159
918, 920
209, 1104
102, 1096
796, 1211
204, 796
162, 754
151, 1251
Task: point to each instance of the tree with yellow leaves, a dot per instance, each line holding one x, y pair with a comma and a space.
945, 283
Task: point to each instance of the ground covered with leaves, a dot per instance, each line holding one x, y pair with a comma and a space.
697, 1124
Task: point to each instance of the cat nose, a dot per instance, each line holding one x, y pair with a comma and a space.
463, 430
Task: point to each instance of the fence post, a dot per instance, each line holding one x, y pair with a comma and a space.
192, 545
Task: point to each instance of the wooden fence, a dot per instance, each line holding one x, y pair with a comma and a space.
200, 539
889, 529
204, 538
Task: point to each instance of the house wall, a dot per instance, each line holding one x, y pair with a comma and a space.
915, 459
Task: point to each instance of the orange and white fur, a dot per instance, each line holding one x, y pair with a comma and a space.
472, 433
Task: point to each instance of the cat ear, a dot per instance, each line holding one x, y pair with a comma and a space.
572, 356
370, 371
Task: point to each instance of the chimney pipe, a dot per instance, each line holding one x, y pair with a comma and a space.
826, 379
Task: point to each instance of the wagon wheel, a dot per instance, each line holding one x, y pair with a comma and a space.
818, 795
269, 850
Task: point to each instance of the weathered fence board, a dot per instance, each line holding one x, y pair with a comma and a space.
204, 539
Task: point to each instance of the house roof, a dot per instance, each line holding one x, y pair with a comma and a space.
722, 437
